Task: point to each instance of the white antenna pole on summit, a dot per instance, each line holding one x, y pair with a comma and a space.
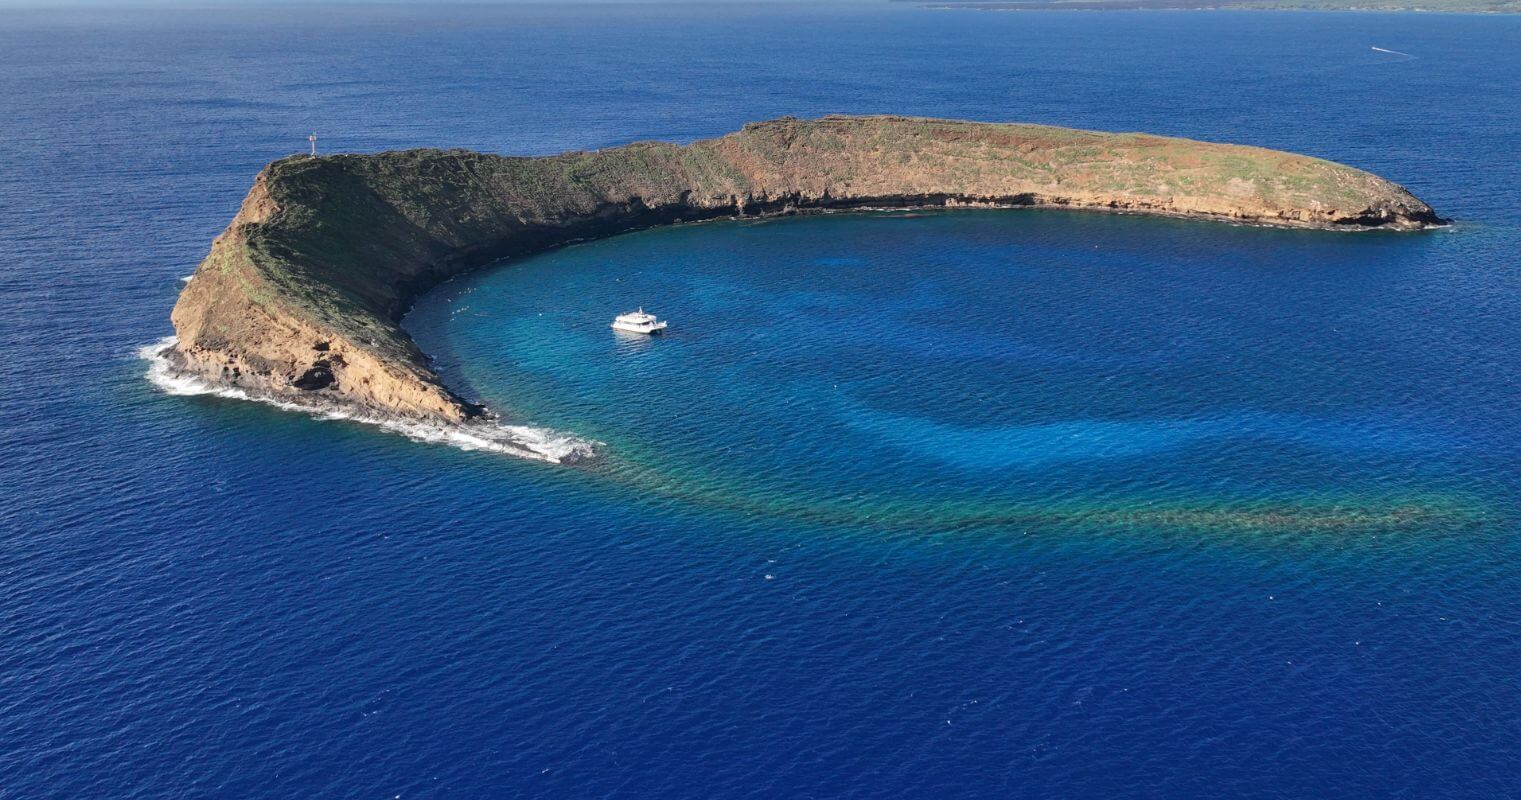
313, 140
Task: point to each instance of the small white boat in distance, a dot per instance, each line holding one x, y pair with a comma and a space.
638, 322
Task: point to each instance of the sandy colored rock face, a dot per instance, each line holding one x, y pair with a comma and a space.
300, 298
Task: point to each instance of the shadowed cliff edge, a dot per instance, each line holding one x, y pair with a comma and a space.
299, 301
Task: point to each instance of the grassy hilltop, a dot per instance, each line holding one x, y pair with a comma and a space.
300, 299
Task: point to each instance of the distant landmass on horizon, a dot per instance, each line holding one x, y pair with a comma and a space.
1450, 6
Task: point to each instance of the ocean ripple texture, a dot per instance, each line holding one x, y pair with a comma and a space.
962, 504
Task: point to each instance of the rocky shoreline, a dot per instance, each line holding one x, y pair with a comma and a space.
300, 300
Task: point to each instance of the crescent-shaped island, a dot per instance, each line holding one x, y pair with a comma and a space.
300, 300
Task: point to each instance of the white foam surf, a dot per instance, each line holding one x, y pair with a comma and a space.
540, 444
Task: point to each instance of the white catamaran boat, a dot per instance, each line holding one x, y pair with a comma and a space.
638, 322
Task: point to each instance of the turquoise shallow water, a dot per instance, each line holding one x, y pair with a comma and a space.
966, 368
974, 504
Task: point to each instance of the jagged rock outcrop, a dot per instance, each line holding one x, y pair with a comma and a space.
300, 299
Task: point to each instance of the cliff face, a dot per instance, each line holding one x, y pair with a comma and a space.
300, 299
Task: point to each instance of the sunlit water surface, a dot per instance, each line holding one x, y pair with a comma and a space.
966, 504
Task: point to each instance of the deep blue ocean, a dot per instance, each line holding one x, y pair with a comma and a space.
965, 504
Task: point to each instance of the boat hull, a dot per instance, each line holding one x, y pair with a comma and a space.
649, 330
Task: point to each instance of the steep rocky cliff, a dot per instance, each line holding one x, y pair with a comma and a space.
300, 298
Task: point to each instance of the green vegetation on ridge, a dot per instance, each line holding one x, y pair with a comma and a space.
328, 253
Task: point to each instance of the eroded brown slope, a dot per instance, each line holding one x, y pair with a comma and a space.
300, 299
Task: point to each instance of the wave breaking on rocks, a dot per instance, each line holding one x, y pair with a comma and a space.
523, 441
